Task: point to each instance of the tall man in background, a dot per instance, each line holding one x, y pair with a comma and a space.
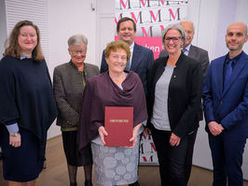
141, 59
225, 96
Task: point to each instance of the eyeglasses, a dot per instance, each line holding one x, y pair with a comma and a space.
174, 39
81, 52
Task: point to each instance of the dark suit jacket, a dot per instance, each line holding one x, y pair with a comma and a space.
142, 61
68, 91
198, 54
184, 95
229, 106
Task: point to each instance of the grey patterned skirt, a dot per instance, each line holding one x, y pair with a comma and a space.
115, 165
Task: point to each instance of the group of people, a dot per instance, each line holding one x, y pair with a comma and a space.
166, 95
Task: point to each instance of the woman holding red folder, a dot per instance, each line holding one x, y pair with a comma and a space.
116, 87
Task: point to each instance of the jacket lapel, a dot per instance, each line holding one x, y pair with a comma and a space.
135, 57
235, 74
192, 51
219, 76
159, 70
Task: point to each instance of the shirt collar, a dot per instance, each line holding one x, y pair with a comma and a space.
131, 46
188, 47
235, 59
74, 66
23, 56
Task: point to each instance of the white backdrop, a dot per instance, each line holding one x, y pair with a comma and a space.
211, 19
65, 18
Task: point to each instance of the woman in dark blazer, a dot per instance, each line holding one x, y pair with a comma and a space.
173, 106
68, 82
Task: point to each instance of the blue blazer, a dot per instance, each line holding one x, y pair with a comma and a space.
142, 61
229, 106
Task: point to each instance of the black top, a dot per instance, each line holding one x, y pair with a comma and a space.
26, 95
184, 97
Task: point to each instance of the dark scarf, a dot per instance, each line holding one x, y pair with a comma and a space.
101, 91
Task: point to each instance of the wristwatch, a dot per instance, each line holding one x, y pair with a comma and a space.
14, 134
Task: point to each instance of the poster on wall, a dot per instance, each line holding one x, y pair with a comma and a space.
151, 18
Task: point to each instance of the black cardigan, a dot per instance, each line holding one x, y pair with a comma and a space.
184, 97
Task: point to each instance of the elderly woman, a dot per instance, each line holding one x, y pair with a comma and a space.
116, 87
173, 106
27, 105
69, 82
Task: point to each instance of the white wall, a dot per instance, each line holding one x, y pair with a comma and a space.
104, 25
214, 17
66, 18
242, 15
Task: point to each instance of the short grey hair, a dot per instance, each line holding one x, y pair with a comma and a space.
77, 39
177, 27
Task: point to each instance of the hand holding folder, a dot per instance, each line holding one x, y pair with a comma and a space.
119, 126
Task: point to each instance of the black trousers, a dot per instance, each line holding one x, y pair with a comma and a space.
174, 162
189, 156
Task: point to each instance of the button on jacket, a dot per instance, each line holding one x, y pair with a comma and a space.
184, 97
68, 91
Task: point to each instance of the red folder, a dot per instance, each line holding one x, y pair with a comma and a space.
119, 126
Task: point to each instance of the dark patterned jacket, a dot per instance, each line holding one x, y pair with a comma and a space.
68, 89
